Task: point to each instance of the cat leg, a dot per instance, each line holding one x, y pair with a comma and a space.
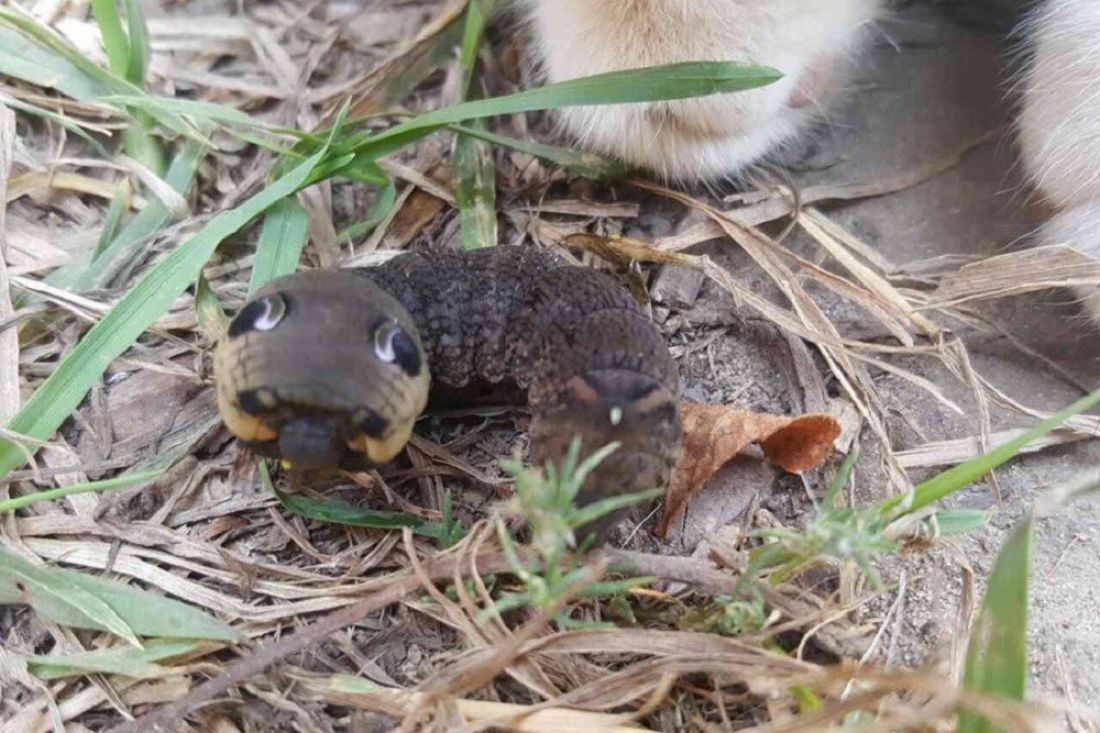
1059, 125
709, 137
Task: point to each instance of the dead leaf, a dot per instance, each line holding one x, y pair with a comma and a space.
420, 209
714, 434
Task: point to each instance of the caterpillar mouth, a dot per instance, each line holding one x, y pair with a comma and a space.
319, 441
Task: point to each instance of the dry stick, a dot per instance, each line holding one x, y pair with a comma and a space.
9, 337
169, 718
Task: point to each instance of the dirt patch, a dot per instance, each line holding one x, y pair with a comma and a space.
925, 131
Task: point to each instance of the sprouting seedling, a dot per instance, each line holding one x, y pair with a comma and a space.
547, 500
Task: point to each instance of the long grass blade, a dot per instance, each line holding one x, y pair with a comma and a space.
82, 601
121, 660
114, 38
961, 476
126, 246
675, 81
139, 43
111, 484
471, 159
573, 160
996, 659
282, 240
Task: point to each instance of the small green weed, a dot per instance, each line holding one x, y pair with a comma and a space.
547, 500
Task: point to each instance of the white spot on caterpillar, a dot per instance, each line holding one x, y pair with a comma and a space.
274, 310
383, 342
616, 415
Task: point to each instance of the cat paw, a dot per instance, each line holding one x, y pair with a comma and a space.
707, 137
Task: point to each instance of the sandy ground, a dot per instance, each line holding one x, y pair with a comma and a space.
929, 89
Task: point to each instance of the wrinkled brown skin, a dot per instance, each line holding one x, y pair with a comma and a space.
572, 339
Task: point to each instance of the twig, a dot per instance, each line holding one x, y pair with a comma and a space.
168, 718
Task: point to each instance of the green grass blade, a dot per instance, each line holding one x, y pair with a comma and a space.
472, 160
338, 512
144, 613
63, 66
676, 81
282, 240
387, 197
139, 43
126, 246
996, 659
59, 119
33, 52
205, 112
52, 594
114, 39
113, 219
473, 31
576, 161
23, 59
208, 310
63, 391
155, 216
124, 660
111, 484
960, 521
961, 476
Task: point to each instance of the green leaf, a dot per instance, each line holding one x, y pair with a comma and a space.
996, 659
33, 53
60, 120
206, 112
139, 43
111, 484
959, 477
208, 309
960, 521
111, 221
123, 660
387, 197
126, 246
338, 512
73, 599
282, 240
472, 160
473, 30
676, 81
74, 376
115, 42
54, 595
576, 161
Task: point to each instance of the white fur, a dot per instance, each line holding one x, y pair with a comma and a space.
1059, 124
807, 40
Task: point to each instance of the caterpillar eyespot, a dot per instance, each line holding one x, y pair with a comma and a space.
261, 315
393, 345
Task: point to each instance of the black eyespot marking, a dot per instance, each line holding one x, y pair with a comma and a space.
371, 423
260, 315
408, 355
256, 401
393, 346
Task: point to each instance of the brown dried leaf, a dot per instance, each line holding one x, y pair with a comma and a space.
714, 434
420, 209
